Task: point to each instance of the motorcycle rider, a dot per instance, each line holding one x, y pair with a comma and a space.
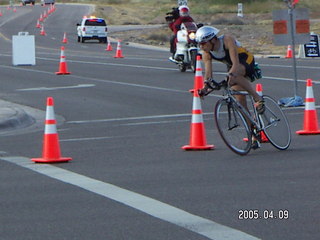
175, 23
240, 63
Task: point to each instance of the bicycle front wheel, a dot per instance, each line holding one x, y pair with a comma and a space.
233, 127
275, 124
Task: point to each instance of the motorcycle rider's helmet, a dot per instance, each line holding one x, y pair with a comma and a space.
206, 33
183, 11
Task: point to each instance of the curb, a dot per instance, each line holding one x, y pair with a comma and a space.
13, 117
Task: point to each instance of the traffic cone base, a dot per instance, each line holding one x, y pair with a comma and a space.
189, 147
45, 160
63, 73
303, 132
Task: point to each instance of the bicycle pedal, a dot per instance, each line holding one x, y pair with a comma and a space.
255, 145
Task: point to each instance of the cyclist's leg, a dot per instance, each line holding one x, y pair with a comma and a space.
241, 80
242, 99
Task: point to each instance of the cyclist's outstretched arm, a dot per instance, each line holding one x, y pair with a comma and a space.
207, 60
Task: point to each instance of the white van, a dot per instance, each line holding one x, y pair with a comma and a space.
44, 2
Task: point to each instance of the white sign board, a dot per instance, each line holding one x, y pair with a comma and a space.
23, 49
282, 28
182, 2
240, 10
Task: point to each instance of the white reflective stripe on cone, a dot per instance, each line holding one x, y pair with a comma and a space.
197, 118
309, 93
310, 105
50, 129
196, 105
50, 113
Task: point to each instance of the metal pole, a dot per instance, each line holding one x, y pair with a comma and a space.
296, 100
294, 52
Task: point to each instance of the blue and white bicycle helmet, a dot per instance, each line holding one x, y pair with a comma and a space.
206, 33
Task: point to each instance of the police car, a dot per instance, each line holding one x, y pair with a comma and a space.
92, 28
45, 2
25, 2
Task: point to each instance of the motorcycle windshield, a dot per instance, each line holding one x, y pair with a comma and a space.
190, 26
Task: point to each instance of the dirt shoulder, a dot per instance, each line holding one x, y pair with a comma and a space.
254, 31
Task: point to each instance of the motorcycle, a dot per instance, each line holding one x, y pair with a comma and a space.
186, 47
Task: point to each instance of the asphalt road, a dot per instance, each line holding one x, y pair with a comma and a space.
124, 121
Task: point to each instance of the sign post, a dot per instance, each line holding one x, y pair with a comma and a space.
182, 2
290, 28
291, 7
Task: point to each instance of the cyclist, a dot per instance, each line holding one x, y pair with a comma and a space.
239, 61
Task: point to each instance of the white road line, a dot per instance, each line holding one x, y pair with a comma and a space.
115, 64
287, 66
131, 118
57, 88
90, 138
153, 207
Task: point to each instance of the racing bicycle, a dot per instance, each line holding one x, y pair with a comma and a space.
242, 128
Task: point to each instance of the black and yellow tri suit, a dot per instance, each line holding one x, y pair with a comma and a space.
245, 58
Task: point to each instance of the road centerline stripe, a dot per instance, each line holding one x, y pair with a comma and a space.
57, 88
153, 207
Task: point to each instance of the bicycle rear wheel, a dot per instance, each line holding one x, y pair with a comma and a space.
233, 127
275, 124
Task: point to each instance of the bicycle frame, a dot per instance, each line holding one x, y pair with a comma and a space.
230, 96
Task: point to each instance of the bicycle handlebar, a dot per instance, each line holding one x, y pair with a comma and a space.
212, 85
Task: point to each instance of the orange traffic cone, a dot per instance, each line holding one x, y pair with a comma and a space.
38, 24
310, 123
63, 70
109, 47
119, 51
289, 52
64, 40
198, 77
42, 32
50, 9
197, 136
41, 18
263, 136
51, 147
